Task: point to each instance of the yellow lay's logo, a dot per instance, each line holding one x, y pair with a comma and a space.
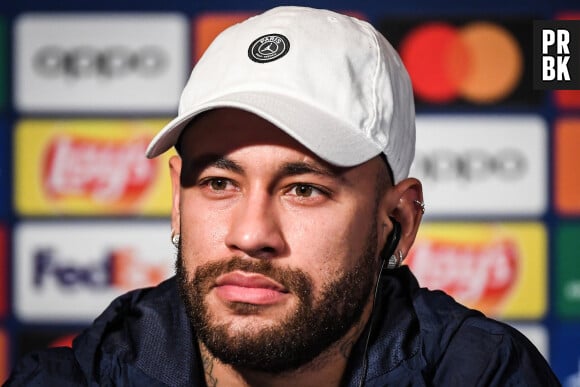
103, 171
482, 275
89, 167
499, 269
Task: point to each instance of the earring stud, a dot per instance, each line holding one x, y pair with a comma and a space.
421, 205
175, 239
395, 261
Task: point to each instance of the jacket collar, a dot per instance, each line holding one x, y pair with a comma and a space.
147, 332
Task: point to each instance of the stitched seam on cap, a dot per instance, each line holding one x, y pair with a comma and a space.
374, 92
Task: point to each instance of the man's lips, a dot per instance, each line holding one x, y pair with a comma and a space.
249, 288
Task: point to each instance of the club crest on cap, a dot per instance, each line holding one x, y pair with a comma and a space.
268, 48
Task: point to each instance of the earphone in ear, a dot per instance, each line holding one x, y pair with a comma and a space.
388, 261
388, 252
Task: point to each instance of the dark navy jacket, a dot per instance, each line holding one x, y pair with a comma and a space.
422, 338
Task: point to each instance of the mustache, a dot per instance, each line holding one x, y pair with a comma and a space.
296, 281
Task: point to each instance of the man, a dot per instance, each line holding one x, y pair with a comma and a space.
292, 211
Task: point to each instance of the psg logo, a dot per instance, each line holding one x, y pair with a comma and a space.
268, 48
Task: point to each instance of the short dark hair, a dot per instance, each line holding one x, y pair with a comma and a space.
385, 176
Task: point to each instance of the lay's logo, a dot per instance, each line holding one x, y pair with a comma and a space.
497, 268
481, 275
99, 170
89, 167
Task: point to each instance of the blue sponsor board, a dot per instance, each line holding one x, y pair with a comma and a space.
5, 172
565, 354
3, 64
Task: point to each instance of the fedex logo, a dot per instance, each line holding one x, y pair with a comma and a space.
47, 265
118, 269
68, 272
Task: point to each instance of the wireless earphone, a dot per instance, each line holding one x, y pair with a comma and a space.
388, 262
392, 241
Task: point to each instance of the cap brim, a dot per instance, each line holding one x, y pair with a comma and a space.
326, 136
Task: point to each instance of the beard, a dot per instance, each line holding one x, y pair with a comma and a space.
295, 340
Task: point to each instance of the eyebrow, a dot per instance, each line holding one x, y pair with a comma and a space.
303, 168
192, 168
288, 169
230, 165
200, 163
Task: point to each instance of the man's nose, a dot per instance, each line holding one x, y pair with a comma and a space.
254, 229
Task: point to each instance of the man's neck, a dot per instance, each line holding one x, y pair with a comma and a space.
326, 369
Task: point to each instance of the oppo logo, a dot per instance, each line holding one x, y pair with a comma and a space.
90, 62
471, 165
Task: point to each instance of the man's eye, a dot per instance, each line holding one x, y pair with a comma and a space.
303, 190
217, 184
306, 190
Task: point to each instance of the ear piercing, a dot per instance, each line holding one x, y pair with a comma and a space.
395, 260
421, 205
175, 239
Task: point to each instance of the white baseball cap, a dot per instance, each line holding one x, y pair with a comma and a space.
330, 81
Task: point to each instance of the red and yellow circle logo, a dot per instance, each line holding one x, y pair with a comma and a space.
480, 62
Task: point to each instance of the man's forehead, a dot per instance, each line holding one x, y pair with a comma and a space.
227, 129
220, 133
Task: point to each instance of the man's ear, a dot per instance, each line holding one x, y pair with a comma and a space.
175, 174
406, 200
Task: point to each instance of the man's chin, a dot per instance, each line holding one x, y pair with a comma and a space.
251, 312
247, 318
251, 329
287, 334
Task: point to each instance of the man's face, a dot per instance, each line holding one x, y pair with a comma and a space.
278, 250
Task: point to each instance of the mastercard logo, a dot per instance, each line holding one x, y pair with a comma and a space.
480, 62
464, 61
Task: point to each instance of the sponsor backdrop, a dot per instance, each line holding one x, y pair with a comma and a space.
5, 179
84, 216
